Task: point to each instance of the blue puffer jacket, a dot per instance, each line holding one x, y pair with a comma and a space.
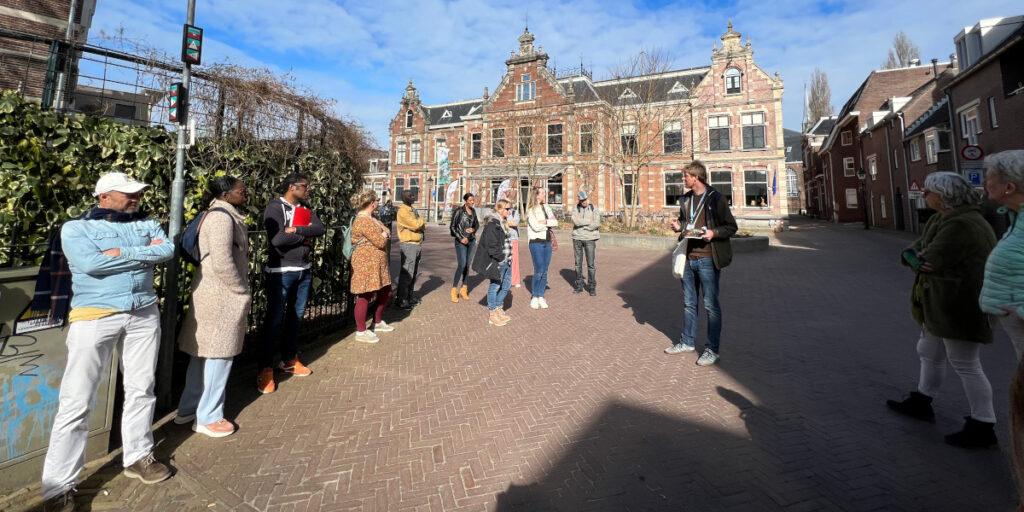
1004, 273
122, 283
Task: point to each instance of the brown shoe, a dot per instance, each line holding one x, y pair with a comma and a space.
464, 292
455, 294
495, 318
501, 313
65, 502
149, 470
265, 381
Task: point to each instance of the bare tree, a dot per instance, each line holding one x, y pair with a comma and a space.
820, 102
902, 52
633, 116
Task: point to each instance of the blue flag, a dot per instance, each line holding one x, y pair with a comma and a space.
774, 176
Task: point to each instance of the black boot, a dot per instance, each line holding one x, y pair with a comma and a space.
592, 289
917, 405
976, 434
577, 287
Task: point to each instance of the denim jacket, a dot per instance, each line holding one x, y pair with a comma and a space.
123, 283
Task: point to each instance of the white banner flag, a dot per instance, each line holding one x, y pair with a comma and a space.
503, 190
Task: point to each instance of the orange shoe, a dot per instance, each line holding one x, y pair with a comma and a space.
464, 292
294, 367
265, 381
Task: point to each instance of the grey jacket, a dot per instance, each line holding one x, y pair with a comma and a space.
586, 223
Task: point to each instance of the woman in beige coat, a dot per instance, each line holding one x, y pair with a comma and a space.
215, 324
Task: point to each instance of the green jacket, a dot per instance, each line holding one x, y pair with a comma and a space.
719, 219
944, 301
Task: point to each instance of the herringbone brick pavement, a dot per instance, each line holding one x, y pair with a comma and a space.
577, 408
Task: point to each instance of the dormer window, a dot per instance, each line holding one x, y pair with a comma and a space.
408, 118
627, 94
678, 88
447, 114
732, 81
526, 89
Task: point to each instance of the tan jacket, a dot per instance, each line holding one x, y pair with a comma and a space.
410, 225
215, 323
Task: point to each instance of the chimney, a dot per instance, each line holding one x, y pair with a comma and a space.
935, 68
953, 62
915, 62
485, 92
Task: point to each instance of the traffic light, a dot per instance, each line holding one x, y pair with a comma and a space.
192, 45
178, 112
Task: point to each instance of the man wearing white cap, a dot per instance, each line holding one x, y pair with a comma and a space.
111, 252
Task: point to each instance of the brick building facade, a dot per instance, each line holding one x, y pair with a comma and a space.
617, 139
25, 58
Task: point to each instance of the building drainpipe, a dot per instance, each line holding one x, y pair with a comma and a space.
830, 193
68, 35
892, 179
952, 132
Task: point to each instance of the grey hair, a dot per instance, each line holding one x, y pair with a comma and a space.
953, 189
1008, 165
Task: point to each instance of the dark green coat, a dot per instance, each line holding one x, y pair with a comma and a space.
956, 244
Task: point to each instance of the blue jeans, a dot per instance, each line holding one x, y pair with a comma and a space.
204, 389
497, 290
286, 297
701, 275
464, 256
540, 252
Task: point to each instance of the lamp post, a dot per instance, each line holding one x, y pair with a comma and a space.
430, 197
864, 195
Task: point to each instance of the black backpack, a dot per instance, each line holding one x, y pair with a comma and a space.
190, 237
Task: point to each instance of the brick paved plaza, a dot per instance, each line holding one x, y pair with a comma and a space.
577, 408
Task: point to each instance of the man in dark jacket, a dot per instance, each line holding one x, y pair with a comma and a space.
706, 223
291, 228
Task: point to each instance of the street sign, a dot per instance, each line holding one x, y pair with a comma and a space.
192, 45
914, 186
972, 152
974, 177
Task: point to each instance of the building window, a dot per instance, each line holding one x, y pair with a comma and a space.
627, 188
498, 142
399, 188
438, 144
732, 81
755, 189
792, 183
848, 169
628, 139
753, 130
674, 188
378, 188
555, 189
525, 89
414, 186
969, 125
124, 113
718, 133
993, 121
400, 153
586, 138
931, 147
847, 138
873, 167
415, 157
408, 118
851, 198
722, 182
673, 137
915, 150
554, 139
525, 140
475, 140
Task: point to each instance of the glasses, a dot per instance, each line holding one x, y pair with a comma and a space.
306, 186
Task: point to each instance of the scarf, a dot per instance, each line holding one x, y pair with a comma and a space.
53, 283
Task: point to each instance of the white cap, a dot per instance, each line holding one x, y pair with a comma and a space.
118, 181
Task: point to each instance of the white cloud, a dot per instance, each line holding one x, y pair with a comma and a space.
363, 53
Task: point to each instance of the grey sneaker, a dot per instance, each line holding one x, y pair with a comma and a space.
64, 502
679, 348
149, 470
382, 326
367, 337
708, 358
184, 419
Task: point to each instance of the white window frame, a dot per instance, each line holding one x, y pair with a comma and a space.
503, 139
476, 147
415, 148
716, 123
754, 120
931, 146
851, 198
846, 138
674, 125
665, 184
873, 167
408, 118
718, 184
993, 121
733, 75
526, 89
849, 166
625, 131
587, 129
970, 126
915, 149
400, 152
560, 136
792, 183
767, 190
524, 133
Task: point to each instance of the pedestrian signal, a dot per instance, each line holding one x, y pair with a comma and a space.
178, 111
192, 45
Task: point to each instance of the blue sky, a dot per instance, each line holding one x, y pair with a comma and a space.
362, 54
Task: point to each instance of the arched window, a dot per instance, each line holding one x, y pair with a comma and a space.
792, 183
408, 118
732, 81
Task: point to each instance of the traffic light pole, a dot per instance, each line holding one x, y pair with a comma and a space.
165, 367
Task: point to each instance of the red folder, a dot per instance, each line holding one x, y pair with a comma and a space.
301, 216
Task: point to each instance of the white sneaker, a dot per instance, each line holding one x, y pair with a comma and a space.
382, 326
534, 303
367, 337
543, 303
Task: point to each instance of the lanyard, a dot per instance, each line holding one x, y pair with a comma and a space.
703, 196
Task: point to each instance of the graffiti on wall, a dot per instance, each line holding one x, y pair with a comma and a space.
31, 390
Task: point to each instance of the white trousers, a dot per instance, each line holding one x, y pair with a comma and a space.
1015, 329
90, 344
964, 357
